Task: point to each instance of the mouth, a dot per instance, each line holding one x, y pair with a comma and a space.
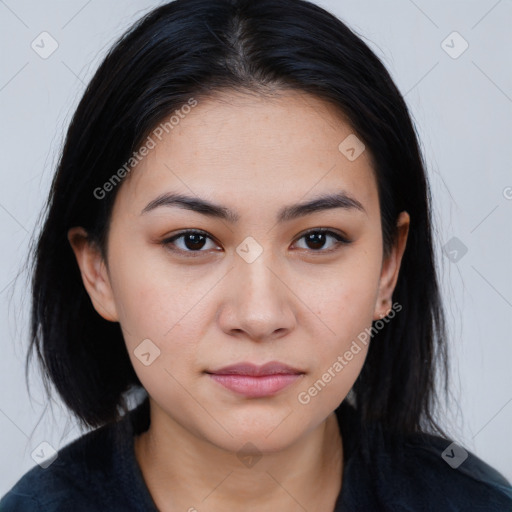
255, 381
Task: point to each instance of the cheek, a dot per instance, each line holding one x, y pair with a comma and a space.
345, 303
152, 301
155, 314
169, 305
340, 356
344, 298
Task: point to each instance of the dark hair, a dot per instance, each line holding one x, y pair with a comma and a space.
197, 48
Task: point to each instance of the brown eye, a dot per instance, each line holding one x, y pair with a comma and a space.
189, 241
194, 241
316, 240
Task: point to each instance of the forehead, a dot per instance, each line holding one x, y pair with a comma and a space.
236, 146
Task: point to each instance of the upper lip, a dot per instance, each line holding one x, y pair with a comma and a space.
253, 370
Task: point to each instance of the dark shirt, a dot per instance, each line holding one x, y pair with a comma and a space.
99, 472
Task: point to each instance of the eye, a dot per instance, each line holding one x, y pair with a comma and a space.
316, 239
190, 242
193, 241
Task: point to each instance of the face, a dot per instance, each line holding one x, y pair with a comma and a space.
254, 280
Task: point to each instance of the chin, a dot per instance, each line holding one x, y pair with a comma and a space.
268, 433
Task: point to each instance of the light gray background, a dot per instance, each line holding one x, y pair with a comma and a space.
463, 111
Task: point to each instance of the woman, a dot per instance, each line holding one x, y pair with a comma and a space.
239, 228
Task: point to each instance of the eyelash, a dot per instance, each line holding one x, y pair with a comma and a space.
168, 242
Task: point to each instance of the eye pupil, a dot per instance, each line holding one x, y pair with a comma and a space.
317, 238
197, 241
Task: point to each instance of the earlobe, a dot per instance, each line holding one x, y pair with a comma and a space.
94, 273
391, 268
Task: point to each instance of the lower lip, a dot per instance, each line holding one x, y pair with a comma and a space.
256, 387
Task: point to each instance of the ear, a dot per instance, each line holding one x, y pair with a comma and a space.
94, 273
391, 268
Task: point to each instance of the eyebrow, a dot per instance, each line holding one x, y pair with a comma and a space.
287, 213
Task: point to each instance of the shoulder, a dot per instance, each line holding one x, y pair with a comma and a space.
431, 470
418, 472
76, 477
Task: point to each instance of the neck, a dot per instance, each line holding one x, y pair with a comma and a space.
183, 472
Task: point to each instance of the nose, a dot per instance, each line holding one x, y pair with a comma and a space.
258, 303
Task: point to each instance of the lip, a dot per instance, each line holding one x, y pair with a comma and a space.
254, 370
255, 381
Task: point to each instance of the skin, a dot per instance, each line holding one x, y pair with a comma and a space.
299, 303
